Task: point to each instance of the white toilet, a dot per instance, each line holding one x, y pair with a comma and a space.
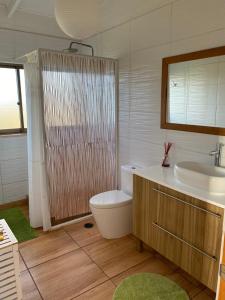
112, 210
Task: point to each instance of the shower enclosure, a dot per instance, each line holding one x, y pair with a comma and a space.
72, 133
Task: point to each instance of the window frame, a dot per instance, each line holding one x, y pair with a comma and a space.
22, 129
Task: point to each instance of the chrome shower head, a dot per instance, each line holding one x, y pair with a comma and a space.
74, 50
70, 50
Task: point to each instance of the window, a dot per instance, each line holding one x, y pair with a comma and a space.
13, 117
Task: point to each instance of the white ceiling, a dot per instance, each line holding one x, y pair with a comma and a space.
36, 7
112, 13
84, 18
39, 7
33, 16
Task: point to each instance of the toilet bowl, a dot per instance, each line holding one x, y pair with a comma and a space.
112, 210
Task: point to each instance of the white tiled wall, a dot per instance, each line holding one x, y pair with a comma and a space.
15, 44
165, 29
13, 168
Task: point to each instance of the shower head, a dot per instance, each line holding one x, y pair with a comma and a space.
74, 50
70, 50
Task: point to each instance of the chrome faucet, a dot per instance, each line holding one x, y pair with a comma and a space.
217, 154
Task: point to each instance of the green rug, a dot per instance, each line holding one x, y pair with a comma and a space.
18, 224
149, 286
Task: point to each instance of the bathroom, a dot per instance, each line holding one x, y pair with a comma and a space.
67, 260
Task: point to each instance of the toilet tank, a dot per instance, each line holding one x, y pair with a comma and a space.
127, 178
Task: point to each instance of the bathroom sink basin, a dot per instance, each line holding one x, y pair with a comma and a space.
206, 177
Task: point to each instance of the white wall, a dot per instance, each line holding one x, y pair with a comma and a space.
15, 44
24, 32
13, 168
177, 27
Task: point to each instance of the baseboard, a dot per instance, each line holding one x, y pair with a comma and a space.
55, 227
17, 203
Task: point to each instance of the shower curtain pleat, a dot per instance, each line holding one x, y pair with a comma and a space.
39, 212
79, 113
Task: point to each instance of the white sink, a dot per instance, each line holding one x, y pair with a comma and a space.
205, 177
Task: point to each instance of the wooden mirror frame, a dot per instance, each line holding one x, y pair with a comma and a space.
164, 91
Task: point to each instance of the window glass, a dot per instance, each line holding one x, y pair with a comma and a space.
9, 108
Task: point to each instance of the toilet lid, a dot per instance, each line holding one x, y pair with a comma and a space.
110, 199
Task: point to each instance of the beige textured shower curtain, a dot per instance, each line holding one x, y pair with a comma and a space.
79, 113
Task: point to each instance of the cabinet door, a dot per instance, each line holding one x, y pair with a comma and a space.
194, 229
144, 209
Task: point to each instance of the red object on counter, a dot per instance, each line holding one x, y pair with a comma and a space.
165, 162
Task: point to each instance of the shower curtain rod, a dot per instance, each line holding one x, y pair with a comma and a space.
23, 58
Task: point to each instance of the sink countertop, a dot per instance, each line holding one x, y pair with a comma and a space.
166, 177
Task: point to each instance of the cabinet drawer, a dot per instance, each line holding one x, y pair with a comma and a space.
166, 244
194, 227
184, 217
200, 265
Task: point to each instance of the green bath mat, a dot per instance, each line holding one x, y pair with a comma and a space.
18, 224
149, 286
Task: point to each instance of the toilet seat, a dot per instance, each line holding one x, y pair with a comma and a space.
110, 199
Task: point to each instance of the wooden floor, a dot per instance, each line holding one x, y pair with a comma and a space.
76, 263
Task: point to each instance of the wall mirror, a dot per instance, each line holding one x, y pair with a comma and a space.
193, 92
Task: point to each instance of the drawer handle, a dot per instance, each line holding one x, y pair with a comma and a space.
185, 242
189, 204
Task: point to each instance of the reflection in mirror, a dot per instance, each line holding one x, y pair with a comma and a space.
196, 92
193, 92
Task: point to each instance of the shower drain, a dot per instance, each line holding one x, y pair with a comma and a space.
88, 225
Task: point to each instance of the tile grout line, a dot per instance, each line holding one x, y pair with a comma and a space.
53, 258
78, 242
94, 262
118, 273
88, 290
110, 278
27, 269
69, 251
73, 240
166, 275
81, 248
113, 283
23, 260
172, 271
130, 268
35, 284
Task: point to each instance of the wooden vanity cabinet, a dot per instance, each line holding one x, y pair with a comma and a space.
184, 229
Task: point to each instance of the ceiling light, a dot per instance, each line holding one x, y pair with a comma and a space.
78, 18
